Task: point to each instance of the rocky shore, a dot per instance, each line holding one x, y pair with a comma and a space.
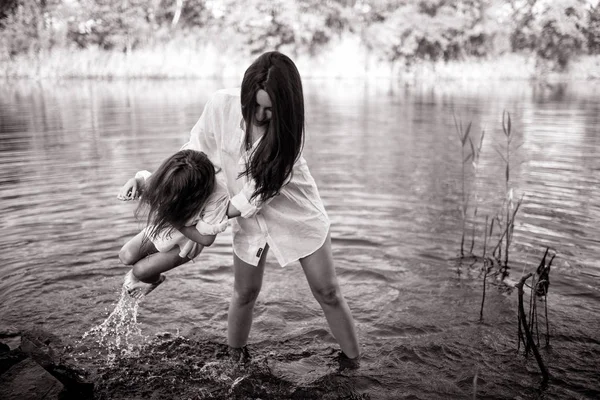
33, 366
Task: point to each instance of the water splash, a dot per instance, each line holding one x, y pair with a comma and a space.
120, 334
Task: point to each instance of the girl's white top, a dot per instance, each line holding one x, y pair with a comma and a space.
294, 223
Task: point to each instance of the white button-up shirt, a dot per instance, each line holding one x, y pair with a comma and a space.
294, 223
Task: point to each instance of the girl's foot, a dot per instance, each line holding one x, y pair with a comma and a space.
136, 288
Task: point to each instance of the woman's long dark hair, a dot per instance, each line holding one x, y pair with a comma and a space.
271, 163
177, 191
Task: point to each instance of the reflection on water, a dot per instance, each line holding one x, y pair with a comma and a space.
387, 162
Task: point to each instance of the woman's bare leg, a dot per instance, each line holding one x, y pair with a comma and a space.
246, 287
146, 261
320, 273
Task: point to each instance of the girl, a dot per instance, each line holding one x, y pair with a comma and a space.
183, 192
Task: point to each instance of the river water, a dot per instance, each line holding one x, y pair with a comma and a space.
387, 161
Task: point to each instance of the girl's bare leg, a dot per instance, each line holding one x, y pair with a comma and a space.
320, 273
246, 287
146, 261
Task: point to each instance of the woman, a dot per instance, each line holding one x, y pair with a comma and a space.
258, 148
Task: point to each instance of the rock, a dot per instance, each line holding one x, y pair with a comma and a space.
27, 380
40, 354
76, 386
10, 336
43, 347
47, 350
8, 331
8, 359
4, 348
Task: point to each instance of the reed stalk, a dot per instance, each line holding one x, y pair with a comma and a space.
485, 269
469, 156
532, 311
463, 136
543, 273
506, 233
509, 227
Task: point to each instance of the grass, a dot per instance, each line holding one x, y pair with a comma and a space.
345, 57
166, 62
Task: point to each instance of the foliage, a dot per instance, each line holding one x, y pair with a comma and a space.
7, 8
593, 29
19, 28
393, 30
27, 26
303, 25
110, 24
418, 31
560, 31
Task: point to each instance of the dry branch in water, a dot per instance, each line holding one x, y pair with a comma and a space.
524, 327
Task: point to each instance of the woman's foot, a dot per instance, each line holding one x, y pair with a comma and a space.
239, 354
136, 288
346, 362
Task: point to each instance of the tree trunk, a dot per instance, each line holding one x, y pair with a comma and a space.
177, 14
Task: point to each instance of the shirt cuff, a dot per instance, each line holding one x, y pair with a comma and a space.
143, 175
207, 229
241, 203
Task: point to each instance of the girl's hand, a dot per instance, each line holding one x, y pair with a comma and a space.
131, 190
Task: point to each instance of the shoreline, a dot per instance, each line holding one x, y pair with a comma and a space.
346, 59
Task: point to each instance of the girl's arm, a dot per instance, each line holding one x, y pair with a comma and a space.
212, 219
192, 233
134, 187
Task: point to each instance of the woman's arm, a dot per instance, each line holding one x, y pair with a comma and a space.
244, 205
233, 212
202, 136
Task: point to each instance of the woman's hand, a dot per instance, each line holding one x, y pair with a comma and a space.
192, 233
131, 190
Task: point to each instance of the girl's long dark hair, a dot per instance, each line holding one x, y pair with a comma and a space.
177, 191
271, 163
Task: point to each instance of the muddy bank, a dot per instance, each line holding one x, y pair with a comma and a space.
170, 367
181, 367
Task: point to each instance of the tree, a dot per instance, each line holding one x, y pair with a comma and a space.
430, 30
559, 30
7, 7
111, 24
28, 26
303, 25
593, 29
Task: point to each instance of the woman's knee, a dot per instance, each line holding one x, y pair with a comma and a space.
246, 295
328, 295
